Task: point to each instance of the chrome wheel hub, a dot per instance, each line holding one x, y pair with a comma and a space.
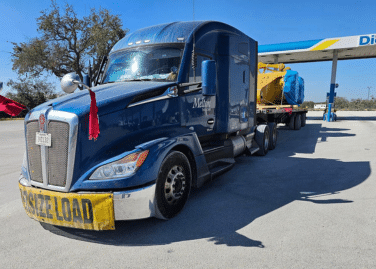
175, 184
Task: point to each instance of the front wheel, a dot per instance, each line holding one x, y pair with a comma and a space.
173, 185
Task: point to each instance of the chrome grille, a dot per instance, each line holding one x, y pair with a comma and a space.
52, 167
33, 152
57, 157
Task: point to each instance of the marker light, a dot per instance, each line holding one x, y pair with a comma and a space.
172, 91
122, 168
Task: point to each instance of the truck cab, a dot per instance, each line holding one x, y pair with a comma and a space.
176, 103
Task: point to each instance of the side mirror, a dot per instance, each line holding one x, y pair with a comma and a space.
209, 78
67, 84
70, 82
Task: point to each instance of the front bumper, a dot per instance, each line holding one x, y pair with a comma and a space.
52, 207
135, 204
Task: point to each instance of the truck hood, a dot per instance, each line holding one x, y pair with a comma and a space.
109, 97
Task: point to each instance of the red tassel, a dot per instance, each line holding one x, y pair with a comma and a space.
10, 107
93, 118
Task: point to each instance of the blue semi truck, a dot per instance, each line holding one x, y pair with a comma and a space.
176, 104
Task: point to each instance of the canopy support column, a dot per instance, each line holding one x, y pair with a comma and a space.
331, 116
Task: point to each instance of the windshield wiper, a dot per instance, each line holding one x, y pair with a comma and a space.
108, 82
134, 79
137, 79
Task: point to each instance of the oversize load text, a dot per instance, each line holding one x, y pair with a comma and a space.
74, 210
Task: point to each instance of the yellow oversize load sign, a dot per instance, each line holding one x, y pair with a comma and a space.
84, 211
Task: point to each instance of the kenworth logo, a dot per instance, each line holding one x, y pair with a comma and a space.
367, 40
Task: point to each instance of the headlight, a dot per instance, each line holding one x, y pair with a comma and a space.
121, 168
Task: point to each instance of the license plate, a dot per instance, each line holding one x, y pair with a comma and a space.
43, 139
83, 211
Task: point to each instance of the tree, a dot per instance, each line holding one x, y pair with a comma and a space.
308, 104
67, 43
341, 103
31, 92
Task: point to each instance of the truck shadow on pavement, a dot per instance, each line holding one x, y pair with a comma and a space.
255, 187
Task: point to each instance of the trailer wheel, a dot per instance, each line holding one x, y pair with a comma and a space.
272, 135
292, 122
298, 122
262, 139
173, 185
304, 118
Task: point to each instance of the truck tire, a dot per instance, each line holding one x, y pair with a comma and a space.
298, 122
262, 139
272, 135
292, 122
304, 118
173, 185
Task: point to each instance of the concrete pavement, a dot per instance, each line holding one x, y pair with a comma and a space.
310, 203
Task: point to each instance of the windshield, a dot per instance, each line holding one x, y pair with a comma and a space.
144, 63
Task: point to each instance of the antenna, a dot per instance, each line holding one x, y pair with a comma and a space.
194, 59
90, 74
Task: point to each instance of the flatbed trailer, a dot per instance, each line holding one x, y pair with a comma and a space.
282, 114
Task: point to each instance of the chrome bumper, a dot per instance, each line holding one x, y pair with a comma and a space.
135, 204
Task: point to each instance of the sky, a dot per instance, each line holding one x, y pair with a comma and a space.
268, 22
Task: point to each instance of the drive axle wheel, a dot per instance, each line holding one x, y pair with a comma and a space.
298, 122
292, 122
262, 139
173, 185
272, 135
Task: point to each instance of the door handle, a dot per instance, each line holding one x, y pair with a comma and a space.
210, 121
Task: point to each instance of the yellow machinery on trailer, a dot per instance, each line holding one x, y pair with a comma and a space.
272, 105
270, 84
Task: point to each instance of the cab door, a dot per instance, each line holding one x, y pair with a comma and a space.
198, 111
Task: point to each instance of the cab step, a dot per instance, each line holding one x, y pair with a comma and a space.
221, 166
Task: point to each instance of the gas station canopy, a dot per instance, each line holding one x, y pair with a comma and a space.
350, 47
329, 49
